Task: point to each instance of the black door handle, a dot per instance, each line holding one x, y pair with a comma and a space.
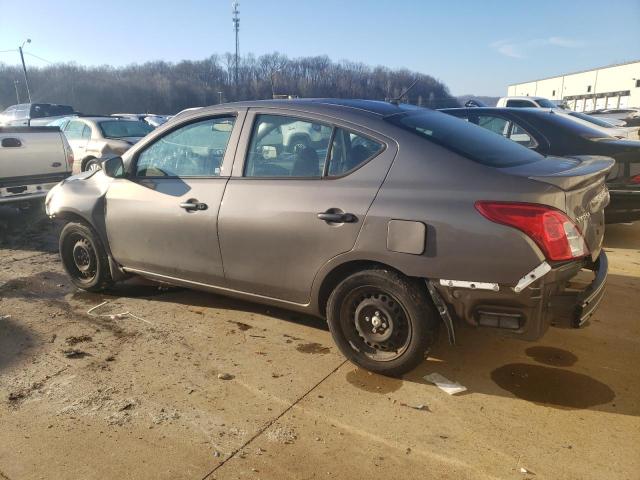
11, 142
332, 217
192, 205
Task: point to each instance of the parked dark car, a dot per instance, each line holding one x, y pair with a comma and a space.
33, 114
390, 220
552, 133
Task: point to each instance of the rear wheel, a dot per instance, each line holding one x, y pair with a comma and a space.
84, 258
382, 321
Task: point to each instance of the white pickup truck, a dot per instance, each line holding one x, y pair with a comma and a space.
32, 161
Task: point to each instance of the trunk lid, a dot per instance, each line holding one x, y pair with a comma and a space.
582, 178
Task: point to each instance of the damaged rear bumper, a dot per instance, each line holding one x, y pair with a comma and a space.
554, 298
573, 307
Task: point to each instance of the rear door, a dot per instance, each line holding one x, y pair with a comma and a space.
288, 209
162, 219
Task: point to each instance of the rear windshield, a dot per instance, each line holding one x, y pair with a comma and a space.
576, 126
124, 128
591, 119
474, 142
40, 110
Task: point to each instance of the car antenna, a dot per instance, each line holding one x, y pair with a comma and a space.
397, 99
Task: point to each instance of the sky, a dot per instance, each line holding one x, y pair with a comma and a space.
474, 47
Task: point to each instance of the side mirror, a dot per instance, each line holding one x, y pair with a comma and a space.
113, 167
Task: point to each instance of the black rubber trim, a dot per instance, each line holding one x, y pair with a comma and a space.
28, 129
33, 179
590, 298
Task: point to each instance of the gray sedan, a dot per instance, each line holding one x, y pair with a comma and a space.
387, 220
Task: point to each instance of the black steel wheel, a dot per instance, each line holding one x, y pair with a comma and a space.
382, 321
84, 258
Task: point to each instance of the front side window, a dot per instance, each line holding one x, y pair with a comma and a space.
194, 150
287, 147
86, 132
349, 151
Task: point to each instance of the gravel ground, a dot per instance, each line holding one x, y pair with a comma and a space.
193, 385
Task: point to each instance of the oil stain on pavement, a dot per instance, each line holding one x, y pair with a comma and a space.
554, 387
312, 348
555, 357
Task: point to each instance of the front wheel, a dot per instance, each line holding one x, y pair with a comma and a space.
382, 321
84, 258
92, 164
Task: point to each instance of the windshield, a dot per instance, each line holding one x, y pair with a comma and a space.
40, 110
474, 142
590, 119
124, 128
544, 103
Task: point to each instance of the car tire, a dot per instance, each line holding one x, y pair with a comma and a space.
84, 258
92, 164
399, 307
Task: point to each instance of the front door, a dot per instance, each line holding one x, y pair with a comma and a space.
163, 218
289, 209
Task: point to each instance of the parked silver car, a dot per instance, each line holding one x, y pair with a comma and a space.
388, 221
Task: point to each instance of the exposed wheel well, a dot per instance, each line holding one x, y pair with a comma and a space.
340, 273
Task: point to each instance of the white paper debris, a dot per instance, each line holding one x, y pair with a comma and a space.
5, 317
444, 383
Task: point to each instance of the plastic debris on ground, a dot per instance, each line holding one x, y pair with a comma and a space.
445, 384
115, 316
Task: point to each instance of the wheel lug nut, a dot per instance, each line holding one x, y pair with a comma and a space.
377, 314
367, 319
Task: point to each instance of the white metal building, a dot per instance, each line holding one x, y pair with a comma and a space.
614, 86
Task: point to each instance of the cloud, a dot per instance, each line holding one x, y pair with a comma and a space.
520, 49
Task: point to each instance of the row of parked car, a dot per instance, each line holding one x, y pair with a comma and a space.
387, 219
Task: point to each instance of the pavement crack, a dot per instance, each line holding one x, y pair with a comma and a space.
272, 421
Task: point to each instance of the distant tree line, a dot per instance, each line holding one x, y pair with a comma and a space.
166, 88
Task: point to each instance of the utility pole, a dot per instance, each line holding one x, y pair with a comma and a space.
15, 84
236, 27
24, 68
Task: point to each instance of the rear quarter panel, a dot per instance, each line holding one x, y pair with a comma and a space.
432, 185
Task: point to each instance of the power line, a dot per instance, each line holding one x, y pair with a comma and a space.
39, 58
5, 51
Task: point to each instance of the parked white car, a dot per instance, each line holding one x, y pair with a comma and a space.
95, 138
526, 102
32, 161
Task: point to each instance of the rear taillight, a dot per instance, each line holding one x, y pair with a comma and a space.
556, 235
68, 152
635, 180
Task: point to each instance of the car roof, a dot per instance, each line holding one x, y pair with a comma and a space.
528, 110
375, 108
524, 97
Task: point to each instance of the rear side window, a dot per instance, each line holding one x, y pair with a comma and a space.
520, 104
74, 130
349, 151
287, 147
469, 140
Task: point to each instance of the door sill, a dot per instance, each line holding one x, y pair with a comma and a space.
215, 288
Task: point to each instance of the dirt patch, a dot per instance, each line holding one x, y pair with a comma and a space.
241, 326
313, 347
75, 339
370, 382
44, 285
554, 387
